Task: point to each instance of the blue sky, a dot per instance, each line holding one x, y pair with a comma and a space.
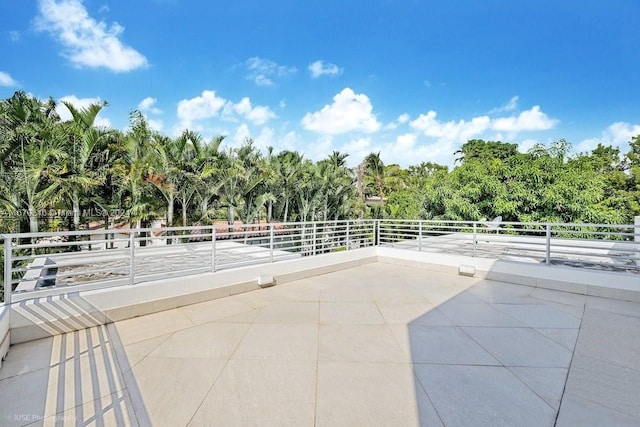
413, 79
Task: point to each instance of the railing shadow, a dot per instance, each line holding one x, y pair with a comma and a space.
77, 376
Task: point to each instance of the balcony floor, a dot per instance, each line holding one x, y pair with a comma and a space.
378, 344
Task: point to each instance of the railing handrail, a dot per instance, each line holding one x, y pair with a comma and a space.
305, 238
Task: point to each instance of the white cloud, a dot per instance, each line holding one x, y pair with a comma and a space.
80, 103
350, 112
266, 138
201, 107
617, 134
241, 134
527, 120
403, 118
87, 42
258, 115
209, 105
290, 141
321, 68
148, 105
155, 124
526, 145
461, 131
357, 148
262, 71
458, 131
320, 148
7, 80
511, 105
406, 141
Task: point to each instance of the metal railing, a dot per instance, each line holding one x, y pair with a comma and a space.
37, 264
41, 264
608, 247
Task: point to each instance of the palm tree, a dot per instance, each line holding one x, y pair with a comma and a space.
32, 151
136, 167
209, 183
288, 166
189, 172
378, 180
82, 144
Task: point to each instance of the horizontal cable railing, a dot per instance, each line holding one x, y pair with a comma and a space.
597, 246
37, 264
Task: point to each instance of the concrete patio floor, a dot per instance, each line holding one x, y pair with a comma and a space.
378, 344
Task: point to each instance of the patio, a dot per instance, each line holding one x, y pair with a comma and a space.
378, 344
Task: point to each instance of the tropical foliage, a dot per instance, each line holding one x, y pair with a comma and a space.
71, 174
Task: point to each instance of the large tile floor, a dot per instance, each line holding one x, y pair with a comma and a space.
374, 345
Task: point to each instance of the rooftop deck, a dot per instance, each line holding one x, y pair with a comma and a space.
379, 344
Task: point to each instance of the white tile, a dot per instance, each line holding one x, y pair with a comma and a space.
403, 313
261, 392
113, 410
149, 326
446, 344
539, 315
27, 357
365, 343
477, 315
612, 386
520, 347
213, 310
626, 308
364, 394
279, 342
210, 340
482, 395
359, 313
565, 337
169, 390
548, 383
290, 312
580, 412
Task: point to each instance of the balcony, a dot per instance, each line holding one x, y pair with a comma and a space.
526, 326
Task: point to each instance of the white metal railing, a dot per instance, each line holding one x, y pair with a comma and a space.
37, 264
602, 246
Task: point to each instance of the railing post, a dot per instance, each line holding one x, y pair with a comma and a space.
132, 256
475, 238
548, 239
347, 243
420, 235
213, 248
271, 242
377, 230
314, 237
8, 277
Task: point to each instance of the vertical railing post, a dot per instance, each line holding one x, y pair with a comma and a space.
271, 242
347, 242
377, 228
475, 238
8, 266
420, 235
132, 256
213, 248
548, 243
314, 237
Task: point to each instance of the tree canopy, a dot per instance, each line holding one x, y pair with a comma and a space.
66, 174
